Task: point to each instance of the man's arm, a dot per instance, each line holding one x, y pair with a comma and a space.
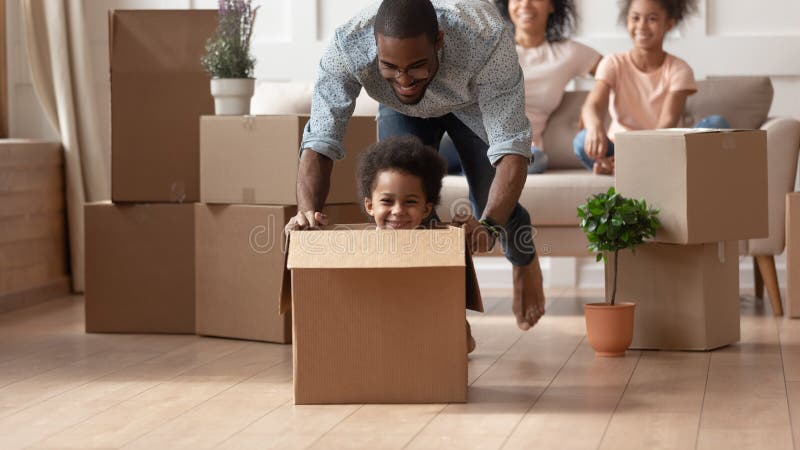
509, 180
501, 97
331, 107
313, 184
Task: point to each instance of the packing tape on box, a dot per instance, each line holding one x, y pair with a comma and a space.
177, 192
728, 141
721, 251
249, 122
248, 195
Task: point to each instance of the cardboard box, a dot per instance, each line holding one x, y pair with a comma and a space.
254, 159
158, 93
378, 316
793, 253
687, 296
710, 185
139, 268
240, 264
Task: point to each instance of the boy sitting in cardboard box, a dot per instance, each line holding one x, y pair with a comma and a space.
395, 297
400, 181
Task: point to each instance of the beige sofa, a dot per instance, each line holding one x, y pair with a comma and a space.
552, 197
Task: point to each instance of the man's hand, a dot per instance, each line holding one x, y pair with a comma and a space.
480, 239
306, 220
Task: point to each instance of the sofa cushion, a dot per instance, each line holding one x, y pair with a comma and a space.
743, 101
551, 198
294, 97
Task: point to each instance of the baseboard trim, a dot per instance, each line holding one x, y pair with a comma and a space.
495, 273
57, 288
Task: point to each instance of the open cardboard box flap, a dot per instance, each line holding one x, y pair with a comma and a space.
361, 246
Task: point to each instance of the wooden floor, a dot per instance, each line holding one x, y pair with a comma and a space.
62, 388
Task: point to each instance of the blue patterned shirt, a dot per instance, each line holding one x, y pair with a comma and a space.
479, 80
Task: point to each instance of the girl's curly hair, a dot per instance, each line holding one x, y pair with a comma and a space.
677, 10
404, 154
561, 22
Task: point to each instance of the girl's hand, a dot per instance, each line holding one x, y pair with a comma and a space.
596, 144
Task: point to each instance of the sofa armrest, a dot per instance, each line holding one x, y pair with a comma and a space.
783, 142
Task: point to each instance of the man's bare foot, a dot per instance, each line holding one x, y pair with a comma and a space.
470, 340
528, 305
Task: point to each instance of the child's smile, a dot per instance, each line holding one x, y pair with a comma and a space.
398, 201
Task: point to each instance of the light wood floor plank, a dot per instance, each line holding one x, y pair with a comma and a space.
290, 427
48, 417
212, 422
135, 417
746, 402
662, 403
577, 405
60, 387
500, 396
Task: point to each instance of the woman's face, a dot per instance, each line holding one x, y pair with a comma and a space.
530, 16
648, 23
398, 201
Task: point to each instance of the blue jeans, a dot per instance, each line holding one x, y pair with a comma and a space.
517, 240
447, 149
579, 143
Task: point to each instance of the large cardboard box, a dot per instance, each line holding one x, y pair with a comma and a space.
687, 296
710, 185
139, 268
378, 316
158, 93
240, 264
254, 159
793, 253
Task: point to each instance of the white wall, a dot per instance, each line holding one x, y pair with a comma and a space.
727, 37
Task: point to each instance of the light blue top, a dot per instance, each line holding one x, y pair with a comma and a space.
479, 80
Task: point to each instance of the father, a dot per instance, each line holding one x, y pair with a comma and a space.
435, 66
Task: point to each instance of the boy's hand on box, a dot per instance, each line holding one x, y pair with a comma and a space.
479, 238
306, 220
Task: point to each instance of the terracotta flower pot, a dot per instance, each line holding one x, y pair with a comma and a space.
609, 329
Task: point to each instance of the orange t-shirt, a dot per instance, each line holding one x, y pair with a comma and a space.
637, 97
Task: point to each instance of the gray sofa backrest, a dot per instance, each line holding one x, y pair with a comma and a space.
743, 101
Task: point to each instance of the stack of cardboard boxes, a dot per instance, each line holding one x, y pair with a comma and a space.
793, 254
711, 189
193, 241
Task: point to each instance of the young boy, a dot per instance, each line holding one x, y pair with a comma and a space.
400, 180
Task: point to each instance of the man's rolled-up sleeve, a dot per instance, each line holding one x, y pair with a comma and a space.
332, 104
501, 97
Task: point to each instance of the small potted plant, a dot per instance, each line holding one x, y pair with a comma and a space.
228, 58
613, 223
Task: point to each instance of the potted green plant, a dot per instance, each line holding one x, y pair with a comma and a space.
228, 59
613, 223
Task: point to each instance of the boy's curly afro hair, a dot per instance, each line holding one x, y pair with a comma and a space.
404, 154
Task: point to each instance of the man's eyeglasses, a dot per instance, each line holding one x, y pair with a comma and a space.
417, 73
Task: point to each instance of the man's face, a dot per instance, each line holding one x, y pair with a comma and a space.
408, 64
